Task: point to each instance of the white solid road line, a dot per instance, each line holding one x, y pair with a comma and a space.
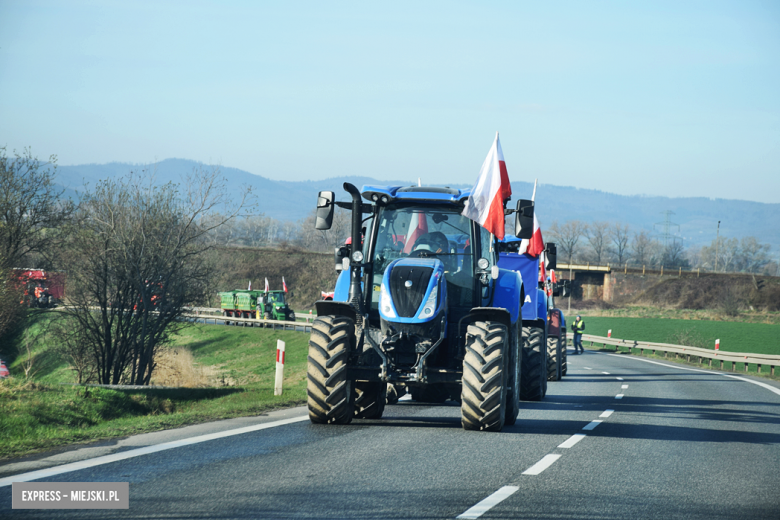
571, 441
491, 501
543, 464
607, 413
619, 396
759, 383
89, 463
591, 425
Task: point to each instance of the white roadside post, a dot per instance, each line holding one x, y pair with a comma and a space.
279, 367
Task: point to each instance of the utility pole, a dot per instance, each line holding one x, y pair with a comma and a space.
717, 242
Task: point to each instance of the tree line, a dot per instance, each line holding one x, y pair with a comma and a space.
134, 253
617, 244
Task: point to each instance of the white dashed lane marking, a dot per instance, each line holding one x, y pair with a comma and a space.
619, 378
605, 373
571, 441
543, 464
624, 387
491, 501
591, 425
619, 396
607, 413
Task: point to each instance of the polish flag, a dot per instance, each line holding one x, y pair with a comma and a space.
485, 205
536, 243
284, 284
266, 285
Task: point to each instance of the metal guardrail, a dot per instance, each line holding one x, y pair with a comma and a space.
274, 324
687, 352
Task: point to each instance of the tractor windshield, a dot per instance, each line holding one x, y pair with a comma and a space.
430, 232
275, 297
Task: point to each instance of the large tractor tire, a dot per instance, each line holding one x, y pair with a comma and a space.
563, 353
513, 383
370, 398
533, 381
553, 358
483, 397
329, 392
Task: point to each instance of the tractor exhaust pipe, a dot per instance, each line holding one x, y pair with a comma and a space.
355, 293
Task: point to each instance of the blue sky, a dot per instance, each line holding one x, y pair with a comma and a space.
659, 98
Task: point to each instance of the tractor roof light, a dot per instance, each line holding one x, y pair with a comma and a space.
483, 264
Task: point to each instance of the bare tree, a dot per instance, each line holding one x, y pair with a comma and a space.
674, 255
597, 234
618, 233
643, 248
32, 208
137, 259
567, 236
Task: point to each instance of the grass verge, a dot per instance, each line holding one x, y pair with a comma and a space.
238, 362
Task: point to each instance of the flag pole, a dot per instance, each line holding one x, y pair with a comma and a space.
533, 196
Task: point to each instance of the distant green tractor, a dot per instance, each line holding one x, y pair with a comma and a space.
255, 304
272, 306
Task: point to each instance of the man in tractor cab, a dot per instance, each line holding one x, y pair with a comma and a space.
578, 327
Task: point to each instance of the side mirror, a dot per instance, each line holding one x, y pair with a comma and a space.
340, 254
325, 208
565, 288
550, 256
524, 219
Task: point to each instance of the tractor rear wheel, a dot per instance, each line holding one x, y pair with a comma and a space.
553, 358
513, 383
329, 392
370, 398
563, 353
533, 366
483, 396
394, 393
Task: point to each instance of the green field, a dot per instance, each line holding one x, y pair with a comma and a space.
237, 364
757, 338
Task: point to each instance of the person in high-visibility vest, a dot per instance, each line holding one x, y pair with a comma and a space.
577, 328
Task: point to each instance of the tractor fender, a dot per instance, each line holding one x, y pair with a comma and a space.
334, 308
541, 305
509, 293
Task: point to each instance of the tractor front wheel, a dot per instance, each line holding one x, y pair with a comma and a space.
329, 393
483, 396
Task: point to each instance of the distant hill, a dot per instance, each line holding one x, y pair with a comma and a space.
287, 200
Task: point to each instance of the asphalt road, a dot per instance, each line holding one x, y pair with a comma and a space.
677, 444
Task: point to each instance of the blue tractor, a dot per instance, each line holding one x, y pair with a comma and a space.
422, 305
544, 326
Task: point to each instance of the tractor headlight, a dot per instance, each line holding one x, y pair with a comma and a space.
385, 304
483, 264
357, 256
430, 304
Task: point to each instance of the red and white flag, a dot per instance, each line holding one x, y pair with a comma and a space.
485, 205
266, 285
418, 226
535, 243
284, 284
250, 285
